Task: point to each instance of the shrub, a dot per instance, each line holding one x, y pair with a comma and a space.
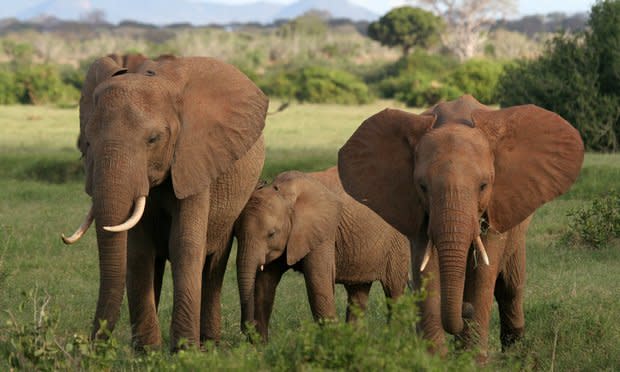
317, 85
478, 78
598, 223
577, 77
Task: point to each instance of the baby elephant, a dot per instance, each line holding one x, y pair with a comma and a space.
307, 222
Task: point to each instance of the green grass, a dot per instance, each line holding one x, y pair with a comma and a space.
572, 298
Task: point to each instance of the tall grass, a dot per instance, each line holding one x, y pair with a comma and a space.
572, 295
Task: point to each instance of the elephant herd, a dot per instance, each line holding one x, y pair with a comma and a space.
173, 150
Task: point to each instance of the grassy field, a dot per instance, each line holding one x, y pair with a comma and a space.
48, 290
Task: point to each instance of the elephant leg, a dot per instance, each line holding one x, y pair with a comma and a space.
357, 299
319, 270
509, 290
187, 257
430, 323
142, 295
212, 279
158, 278
479, 288
264, 295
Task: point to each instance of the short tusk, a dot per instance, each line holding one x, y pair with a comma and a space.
88, 220
427, 255
483, 252
262, 267
131, 221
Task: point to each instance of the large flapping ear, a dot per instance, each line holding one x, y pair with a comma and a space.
376, 166
538, 156
101, 70
316, 213
222, 114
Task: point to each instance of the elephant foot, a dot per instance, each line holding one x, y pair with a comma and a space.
509, 336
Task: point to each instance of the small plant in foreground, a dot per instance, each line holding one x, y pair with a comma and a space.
597, 223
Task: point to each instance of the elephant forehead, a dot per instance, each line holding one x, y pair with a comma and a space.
455, 139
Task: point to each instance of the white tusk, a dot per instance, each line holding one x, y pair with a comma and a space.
483, 252
131, 221
88, 220
262, 267
427, 255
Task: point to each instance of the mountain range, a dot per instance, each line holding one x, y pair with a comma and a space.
188, 11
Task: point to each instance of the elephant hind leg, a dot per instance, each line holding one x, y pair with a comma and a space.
212, 279
357, 299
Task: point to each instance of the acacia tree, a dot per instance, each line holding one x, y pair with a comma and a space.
407, 27
467, 21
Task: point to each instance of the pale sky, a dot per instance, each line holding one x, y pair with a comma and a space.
525, 6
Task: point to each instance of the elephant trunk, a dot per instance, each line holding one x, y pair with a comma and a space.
453, 230
115, 188
112, 261
247, 265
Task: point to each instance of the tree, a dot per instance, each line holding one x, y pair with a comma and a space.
467, 20
407, 27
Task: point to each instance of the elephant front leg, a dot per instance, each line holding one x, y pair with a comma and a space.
141, 291
430, 322
319, 269
264, 295
479, 288
187, 257
509, 295
357, 299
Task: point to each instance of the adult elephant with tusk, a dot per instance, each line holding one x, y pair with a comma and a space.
172, 153
462, 181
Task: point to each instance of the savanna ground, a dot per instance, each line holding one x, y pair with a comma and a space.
48, 290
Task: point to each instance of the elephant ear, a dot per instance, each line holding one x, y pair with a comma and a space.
101, 70
538, 156
376, 166
316, 213
222, 114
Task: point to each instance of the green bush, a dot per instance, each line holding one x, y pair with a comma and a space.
37, 84
423, 79
316, 84
598, 223
577, 77
478, 78
9, 93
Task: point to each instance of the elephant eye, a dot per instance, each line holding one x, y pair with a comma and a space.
271, 233
275, 187
483, 186
153, 138
423, 188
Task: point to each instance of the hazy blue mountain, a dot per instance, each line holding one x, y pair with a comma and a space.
337, 9
181, 11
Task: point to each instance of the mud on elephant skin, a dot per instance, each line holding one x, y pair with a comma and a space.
435, 176
307, 222
172, 153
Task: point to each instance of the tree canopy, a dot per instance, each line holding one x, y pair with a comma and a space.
407, 27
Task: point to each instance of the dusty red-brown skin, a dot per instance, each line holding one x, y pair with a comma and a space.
436, 175
307, 222
187, 134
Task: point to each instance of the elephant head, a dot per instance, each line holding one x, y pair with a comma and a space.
434, 176
180, 120
294, 214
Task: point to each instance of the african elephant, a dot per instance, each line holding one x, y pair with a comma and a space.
462, 173
172, 153
307, 222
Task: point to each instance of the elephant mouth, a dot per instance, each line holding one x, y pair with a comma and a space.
138, 211
479, 248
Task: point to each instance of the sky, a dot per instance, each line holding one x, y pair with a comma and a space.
525, 6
